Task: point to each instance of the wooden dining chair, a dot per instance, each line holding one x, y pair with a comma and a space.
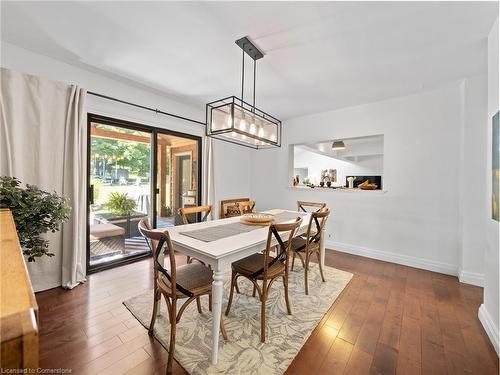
189, 281
305, 247
262, 267
246, 207
305, 206
189, 215
229, 207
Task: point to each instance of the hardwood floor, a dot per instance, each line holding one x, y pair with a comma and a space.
390, 319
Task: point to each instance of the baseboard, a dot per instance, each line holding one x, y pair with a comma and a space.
489, 326
472, 278
387, 256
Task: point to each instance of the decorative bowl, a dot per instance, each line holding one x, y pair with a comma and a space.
368, 187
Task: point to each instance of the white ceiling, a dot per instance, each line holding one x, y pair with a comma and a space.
319, 55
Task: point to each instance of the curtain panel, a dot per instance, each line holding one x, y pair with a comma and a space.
42, 142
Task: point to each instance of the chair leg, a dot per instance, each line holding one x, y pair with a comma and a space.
306, 269
157, 297
198, 304
320, 267
173, 326
233, 283
285, 283
223, 328
263, 313
236, 286
210, 302
254, 291
293, 260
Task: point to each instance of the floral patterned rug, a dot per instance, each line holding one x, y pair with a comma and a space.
243, 353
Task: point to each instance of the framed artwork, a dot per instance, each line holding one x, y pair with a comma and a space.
495, 169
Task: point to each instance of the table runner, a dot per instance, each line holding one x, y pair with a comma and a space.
227, 230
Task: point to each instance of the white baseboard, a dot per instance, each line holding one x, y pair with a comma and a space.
387, 256
472, 278
489, 327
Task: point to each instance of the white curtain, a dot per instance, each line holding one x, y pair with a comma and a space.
208, 195
42, 142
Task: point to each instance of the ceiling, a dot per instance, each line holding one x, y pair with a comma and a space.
318, 55
356, 148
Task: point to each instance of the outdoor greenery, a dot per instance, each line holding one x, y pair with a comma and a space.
120, 204
35, 212
134, 156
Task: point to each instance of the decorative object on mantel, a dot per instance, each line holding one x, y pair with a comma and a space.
296, 180
233, 120
35, 212
328, 176
367, 186
350, 180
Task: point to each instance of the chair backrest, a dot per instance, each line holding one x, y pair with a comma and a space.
230, 204
246, 207
275, 232
158, 240
310, 206
316, 225
189, 214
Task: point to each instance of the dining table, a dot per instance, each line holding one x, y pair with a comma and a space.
220, 242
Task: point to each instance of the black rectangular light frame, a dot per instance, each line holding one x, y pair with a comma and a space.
233, 101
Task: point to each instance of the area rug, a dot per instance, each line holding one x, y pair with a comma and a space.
243, 353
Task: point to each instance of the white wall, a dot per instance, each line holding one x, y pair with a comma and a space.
489, 312
416, 221
315, 163
231, 163
472, 183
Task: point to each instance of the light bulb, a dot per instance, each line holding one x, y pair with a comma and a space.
243, 124
243, 136
273, 137
252, 128
229, 122
261, 132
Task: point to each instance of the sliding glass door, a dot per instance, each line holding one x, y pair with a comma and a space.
135, 173
177, 177
119, 192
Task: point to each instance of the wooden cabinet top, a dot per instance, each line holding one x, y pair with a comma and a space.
18, 307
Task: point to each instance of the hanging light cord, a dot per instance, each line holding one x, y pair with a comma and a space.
242, 76
254, 70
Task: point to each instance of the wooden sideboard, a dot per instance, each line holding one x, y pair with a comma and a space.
18, 307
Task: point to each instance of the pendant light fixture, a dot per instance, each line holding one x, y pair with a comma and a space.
338, 145
233, 120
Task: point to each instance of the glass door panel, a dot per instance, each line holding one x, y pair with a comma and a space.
177, 177
120, 186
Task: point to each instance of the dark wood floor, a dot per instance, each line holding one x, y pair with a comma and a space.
390, 319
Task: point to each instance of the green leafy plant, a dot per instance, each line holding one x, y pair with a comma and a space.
35, 212
120, 204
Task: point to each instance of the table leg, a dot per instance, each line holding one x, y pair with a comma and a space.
216, 311
322, 248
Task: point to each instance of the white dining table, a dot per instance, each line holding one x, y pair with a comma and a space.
220, 253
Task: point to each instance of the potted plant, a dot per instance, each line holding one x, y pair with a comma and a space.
35, 212
120, 204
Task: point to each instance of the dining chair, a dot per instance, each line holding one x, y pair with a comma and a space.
246, 206
189, 215
229, 207
305, 247
190, 281
307, 206
262, 267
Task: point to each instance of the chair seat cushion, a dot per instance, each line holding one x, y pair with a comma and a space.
194, 277
253, 263
299, 244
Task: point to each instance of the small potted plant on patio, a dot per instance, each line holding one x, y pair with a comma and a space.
35, 212
123, 214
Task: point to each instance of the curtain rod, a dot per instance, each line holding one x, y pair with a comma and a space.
145, 108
